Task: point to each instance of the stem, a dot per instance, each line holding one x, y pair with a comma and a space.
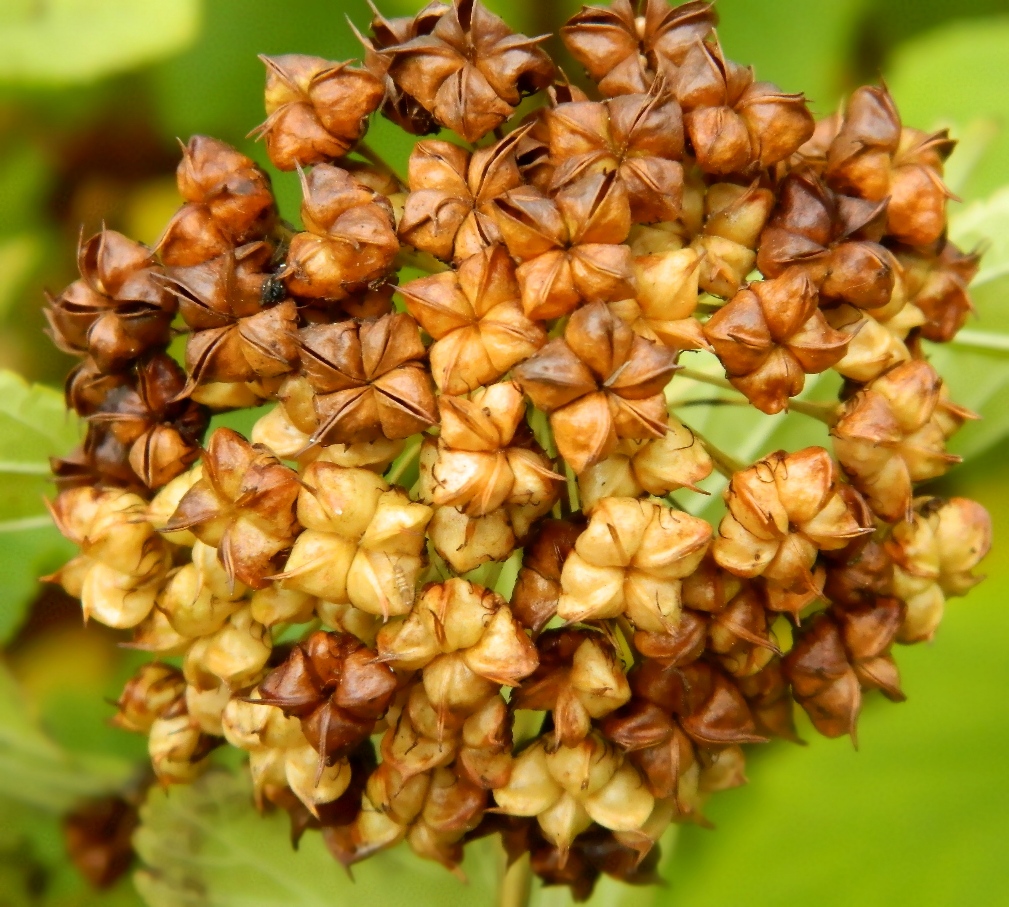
516, 883
422, 261
378, 162
406, 459
709, 308
704, 378
627, 636
826, 413
725, 463
572, 480
982, 340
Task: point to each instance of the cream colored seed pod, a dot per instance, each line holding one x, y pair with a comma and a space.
568, 788
630, 560
206, 707
190, 606
236, 654
166, 502
177, 749
313, 783
657, 467
117, 599
276, 605
872, 349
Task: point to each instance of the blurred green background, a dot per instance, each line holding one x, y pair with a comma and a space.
94, 93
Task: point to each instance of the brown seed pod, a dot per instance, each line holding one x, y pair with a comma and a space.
316, 109
228, 202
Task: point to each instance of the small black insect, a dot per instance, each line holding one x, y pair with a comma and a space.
273, 290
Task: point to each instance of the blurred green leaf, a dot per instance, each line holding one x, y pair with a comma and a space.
62, 41
36, 771
204, 845
953, 76
19, 256
34, 425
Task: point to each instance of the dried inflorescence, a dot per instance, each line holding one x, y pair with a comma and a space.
455, 583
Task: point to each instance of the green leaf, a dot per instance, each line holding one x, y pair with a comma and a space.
36, 771
204, 845
955, 75
34, 425
63, 41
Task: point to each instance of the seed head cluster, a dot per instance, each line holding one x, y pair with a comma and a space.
444, 588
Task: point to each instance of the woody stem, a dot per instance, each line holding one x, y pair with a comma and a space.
378, 162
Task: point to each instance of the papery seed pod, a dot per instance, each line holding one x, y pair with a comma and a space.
579, 679
625, 47
770, 701
400, 107
349, 240
476, 319
234, 655
893, 433
935, 282
567, 788
740, 635
538, 587
599, 383
872, 347
782, 511
333, 685
369, 380
570, 246
316, 109
153, 690
118, 310
934, 554
362, 544
868, 632
874, 157
228, 203
727, 239
823, 681
234, 338
447, 212
732, 122
177, 747
657, 467
470, 71
638, 136
459, 618
834, 239
480, 464
631, 560
243, 506
770, 336
665, 300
